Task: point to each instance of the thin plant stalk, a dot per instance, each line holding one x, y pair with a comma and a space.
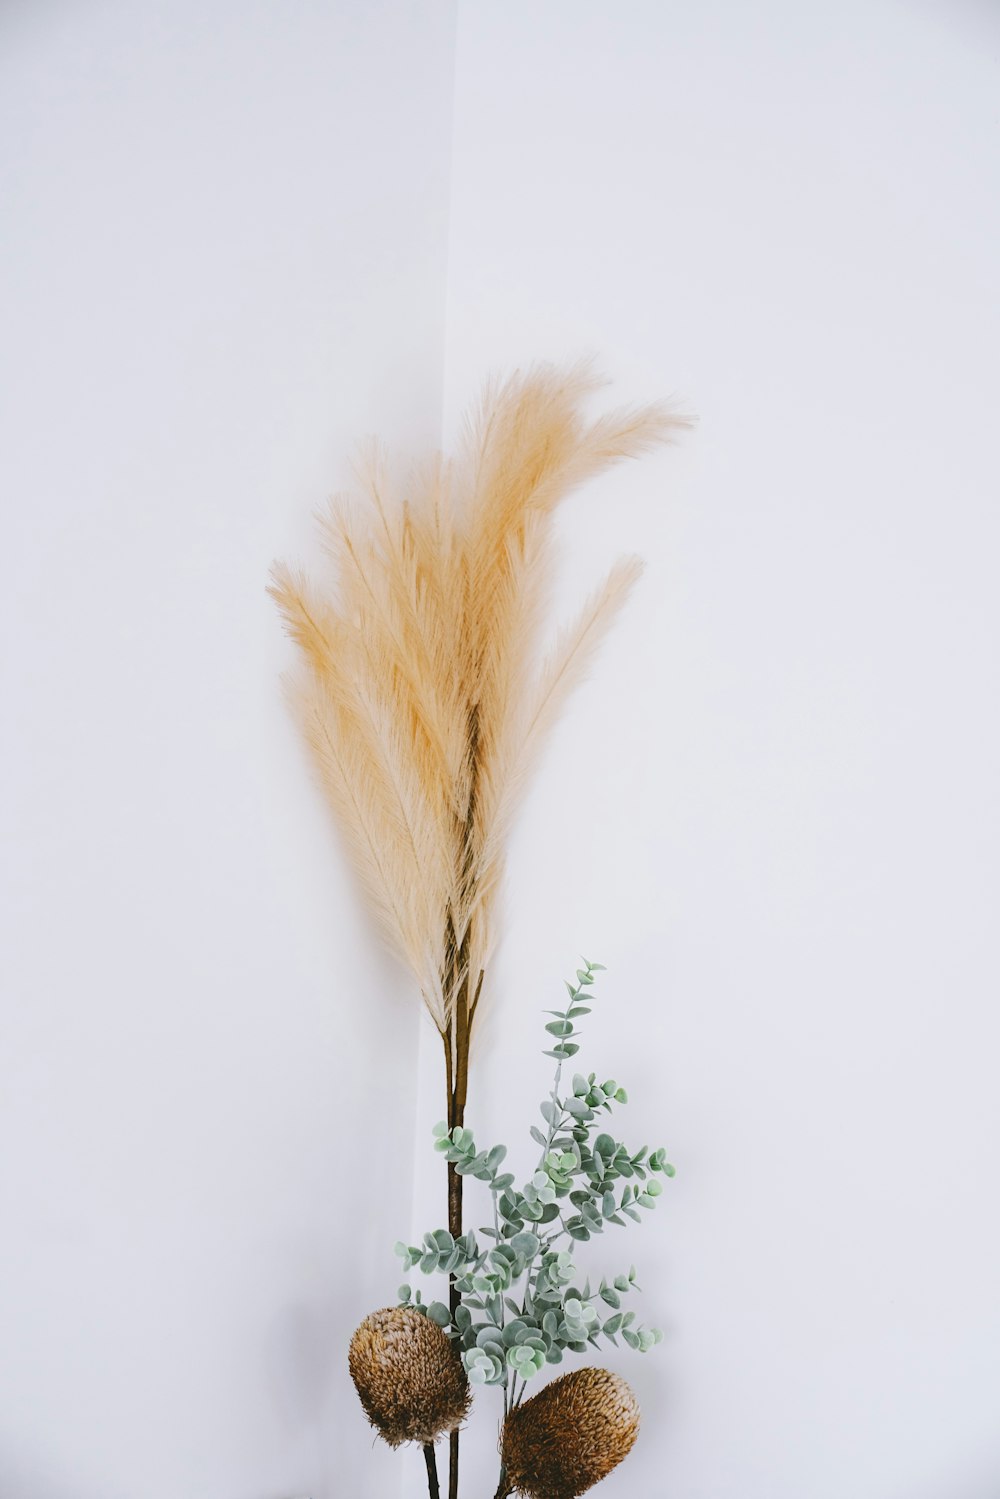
430, 1458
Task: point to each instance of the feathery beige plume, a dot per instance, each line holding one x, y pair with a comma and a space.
422, 701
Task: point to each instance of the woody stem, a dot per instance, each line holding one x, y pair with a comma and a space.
430, 1458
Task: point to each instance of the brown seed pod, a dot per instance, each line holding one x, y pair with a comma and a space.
570, 1435
409, 1375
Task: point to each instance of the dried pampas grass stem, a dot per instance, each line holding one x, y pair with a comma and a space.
422, 699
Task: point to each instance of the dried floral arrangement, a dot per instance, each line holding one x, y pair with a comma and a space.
520, 1306
424, 699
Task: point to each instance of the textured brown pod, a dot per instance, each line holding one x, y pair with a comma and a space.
409, 1375
570, 1435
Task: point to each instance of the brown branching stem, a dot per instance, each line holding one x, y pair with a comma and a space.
456, 1045
459, 1028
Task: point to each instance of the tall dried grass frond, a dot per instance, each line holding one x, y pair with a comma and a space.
422, 697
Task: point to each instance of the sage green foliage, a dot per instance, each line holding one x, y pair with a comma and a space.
521, 1305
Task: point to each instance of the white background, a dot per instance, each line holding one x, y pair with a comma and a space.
225, 260
772, 812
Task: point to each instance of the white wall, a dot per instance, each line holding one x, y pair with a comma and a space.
773, 812
224, 260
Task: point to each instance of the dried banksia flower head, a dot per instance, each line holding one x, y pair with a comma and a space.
409, 1375
570, 1435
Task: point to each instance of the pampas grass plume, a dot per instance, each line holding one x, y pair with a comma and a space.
426, 695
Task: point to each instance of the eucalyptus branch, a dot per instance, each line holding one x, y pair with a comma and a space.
517, 1304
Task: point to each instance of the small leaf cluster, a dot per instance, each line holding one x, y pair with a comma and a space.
521, 1303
